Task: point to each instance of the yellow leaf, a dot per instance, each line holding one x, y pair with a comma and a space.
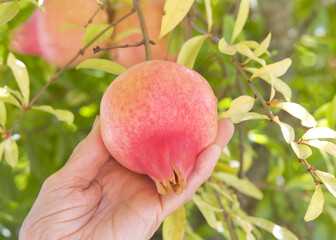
5, 96
287, 130
2, 149
102, 64
277, 69
301, 150
246, 51
190, 50
316, 205
250, 44
262, 48
247, 227
319, 132
244, 8
247, 116
225, 48
61, 115
3, 114
11, 152
299, 112
21, 76
323, 145
328, 180
208, 11
240, 105
174, 12
174, 225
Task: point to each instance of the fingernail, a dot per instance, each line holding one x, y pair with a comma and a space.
95, 122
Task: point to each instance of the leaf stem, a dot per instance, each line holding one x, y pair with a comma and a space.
138, 8
310, 169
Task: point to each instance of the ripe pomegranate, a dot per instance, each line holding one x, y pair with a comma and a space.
57, 33
156, 118
127, 57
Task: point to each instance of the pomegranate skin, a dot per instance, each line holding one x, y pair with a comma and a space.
156, 118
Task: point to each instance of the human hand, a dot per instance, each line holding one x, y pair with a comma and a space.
94, 197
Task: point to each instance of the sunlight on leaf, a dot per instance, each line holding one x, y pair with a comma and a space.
11, 152
319, 132
175, 11
5, 96
240, 105
323, 145
173, 227
3, 114
328, 180
208, 11
262, 48
61, 115
225, 48
241, 19
8, 10
247, 52
93, 30
247, 116
315, 207
302, 151
251, 44
190, 50
286, 130
299, 112
102, 64
21, 76
277, 69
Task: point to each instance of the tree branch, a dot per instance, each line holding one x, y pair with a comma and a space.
142, 42
310, 169
141, 17
101, 7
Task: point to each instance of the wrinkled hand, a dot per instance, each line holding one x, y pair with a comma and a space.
94, 197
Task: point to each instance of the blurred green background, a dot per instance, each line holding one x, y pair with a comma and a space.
301, 29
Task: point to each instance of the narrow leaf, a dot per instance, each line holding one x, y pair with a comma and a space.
319, 132
242, 185
207, 212
302, 151
208, 11
250, 44
11, 152
262, 48
246, 51
240, 105
286, 130
61, 115
315, 207
21, 76
190, 50
102, 64
175, 11
277, 69
3, 114
323, 145
299, 112
278, 232
93, 30
328, 180
8, 10
247, 116
174, 225
241, 18
225, 48
5, 96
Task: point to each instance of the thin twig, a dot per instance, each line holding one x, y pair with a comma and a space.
142, 42
101, 7
310, 169
52, 79
141, 17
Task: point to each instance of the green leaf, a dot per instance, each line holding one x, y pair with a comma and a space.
190, 50
299, 112
323, 145
247, 116
8, 10
93, 30
207, 211
208, 12
175, 11
240, 105
226, 48
243, 185
5, 96
301, 150
328, 180
2, 149
102, 64
174, 225
278, 232
21, 76
277, 69
11, 152
315, 207
61, 115
244, 8
3, 114
319, 132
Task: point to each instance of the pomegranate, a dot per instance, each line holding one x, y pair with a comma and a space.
156, 118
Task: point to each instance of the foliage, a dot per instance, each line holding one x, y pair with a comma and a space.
260, 188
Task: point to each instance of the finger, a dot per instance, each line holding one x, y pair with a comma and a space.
87, 158
205, 163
